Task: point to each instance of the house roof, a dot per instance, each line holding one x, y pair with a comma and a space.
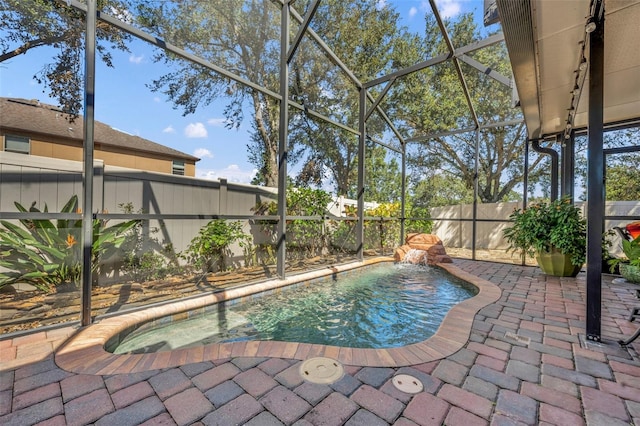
38, 118
545, 38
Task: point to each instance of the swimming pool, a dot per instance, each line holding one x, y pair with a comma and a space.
381, 306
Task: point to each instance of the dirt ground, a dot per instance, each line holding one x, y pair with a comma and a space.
24, 310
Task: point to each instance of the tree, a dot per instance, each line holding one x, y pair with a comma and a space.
383, 176
29, 24
440, 189
241, 37
433, 102
622, 173
364, 38
623, 179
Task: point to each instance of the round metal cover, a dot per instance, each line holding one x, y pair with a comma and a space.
407, 383
321, 370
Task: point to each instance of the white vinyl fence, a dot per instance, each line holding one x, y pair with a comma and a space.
44, 181
453, 225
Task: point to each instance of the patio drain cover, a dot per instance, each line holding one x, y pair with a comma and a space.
321, 370
407, 384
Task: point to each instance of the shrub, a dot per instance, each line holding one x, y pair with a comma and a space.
543, 225
47, 254
212, 244
304, 237
631, 250
145, 258
382, 233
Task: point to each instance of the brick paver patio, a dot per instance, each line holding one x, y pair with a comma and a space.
525, 362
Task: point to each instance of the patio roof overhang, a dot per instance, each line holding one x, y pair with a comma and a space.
547, 43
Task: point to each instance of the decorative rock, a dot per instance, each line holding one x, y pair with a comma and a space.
429, 239
437, 249
416, 257
444, 258
430, 250
401, 252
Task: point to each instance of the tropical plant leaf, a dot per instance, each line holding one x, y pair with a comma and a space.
45, 254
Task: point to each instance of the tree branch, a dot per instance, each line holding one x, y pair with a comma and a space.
32, 44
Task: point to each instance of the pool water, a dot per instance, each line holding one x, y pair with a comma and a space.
384, 306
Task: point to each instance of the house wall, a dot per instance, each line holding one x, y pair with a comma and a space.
69, 149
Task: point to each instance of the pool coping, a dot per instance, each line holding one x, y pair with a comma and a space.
84, 352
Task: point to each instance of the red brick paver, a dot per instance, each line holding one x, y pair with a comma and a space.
489, 378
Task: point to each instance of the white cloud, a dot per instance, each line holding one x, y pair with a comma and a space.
156, 99
195, 130
136, 59
381, 4
169, 129
217, 122
449, 8
202, 153
413, 11
233, 173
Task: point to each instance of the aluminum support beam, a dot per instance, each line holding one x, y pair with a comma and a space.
465, 130
344, 68
303, 27
195, 59
567, 171
380, 98
403, 191
409, 70
322, 117
170, 48
486, 70
474, 225
88, 148
525, 179
535, 144
480, 44
456, 62
386, 145
595, 177
326, 48
361, 171
496, 38
283, 136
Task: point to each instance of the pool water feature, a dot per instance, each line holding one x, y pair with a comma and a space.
381, 306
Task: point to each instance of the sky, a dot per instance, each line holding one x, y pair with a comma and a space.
124, 101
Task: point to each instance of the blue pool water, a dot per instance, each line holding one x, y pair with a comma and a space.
384, 306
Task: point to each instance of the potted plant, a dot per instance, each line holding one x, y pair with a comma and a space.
555, 233
630, 265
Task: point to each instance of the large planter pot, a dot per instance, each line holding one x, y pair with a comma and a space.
555, 263
630, 273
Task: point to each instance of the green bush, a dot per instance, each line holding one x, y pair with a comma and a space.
420, 226
544, 225
47, 254
304, 237
382, 234
145, 258
631, 250
151, 265
209, 247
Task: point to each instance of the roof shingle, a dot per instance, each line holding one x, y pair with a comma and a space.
35, 117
